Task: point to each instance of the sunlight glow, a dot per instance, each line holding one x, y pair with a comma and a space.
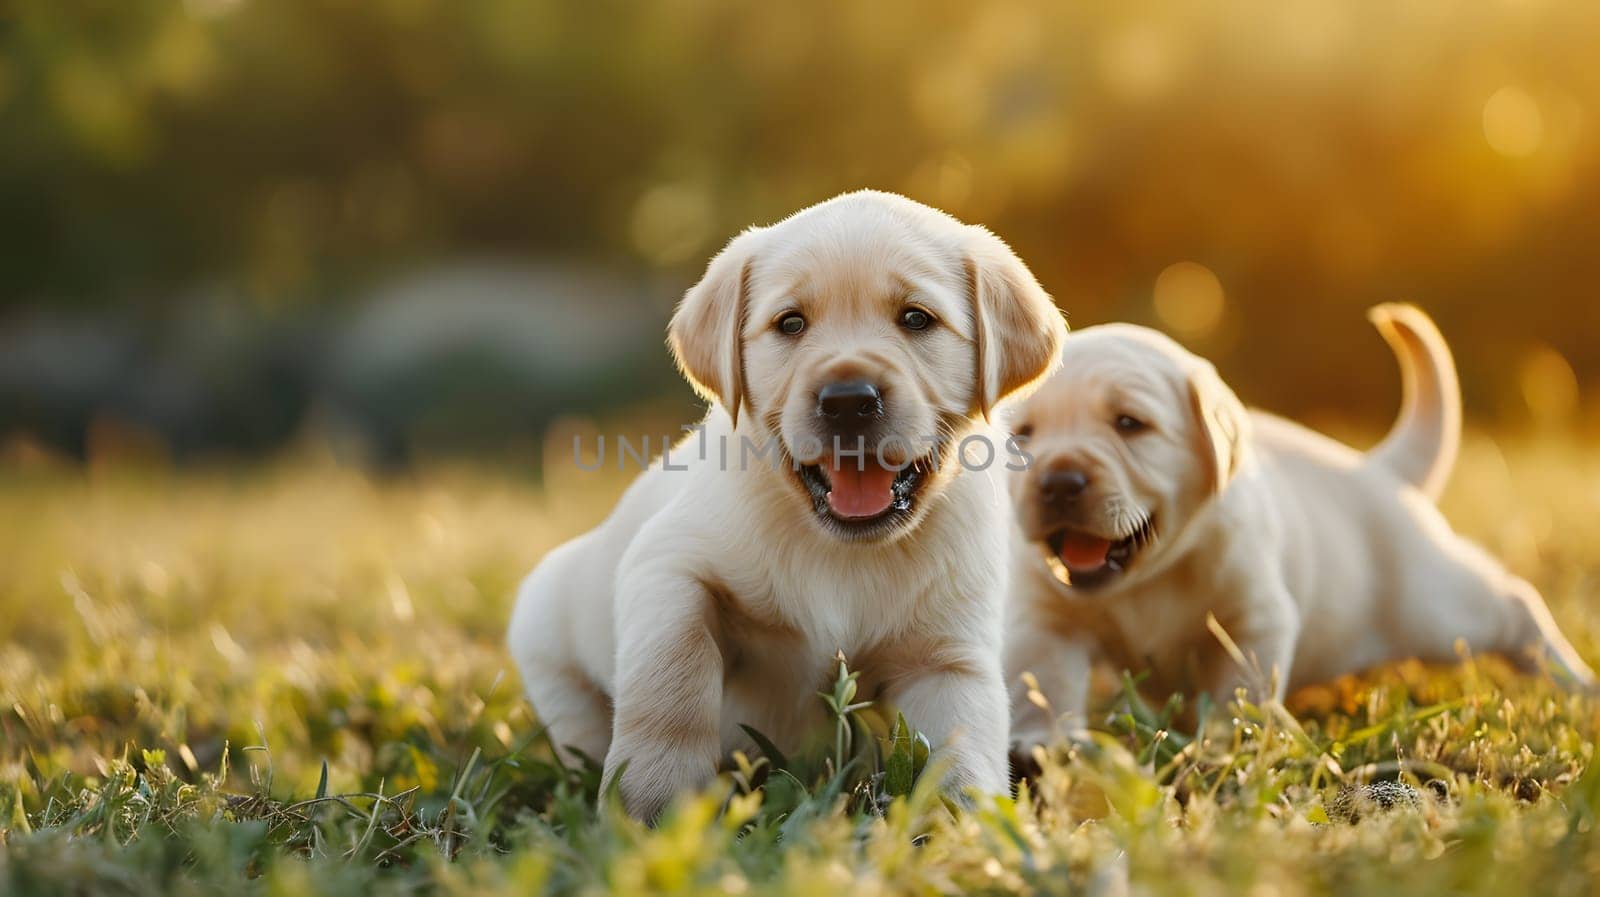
1512, 123
1189, 299
1549, 386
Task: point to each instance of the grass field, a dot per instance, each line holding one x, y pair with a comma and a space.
290, 680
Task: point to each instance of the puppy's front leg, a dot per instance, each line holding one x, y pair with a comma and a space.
1061, 666
666, 735
961, 707
1265, 630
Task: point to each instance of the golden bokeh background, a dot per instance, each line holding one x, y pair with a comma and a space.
328, 178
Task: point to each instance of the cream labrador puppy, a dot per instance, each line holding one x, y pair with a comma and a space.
849, 350
1154, 499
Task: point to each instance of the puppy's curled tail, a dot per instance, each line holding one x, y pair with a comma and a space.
1421, 446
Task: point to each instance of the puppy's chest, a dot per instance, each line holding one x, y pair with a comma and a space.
773, 671
778, 641
821, 621
1160, 633
847, 600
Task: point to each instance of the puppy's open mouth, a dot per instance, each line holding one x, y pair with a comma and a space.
1084, 560
862, 498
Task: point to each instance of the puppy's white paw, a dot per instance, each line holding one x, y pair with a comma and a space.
650, 777
1027, 745
1025, 741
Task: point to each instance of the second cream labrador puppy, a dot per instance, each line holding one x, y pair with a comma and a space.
1155, 498
849, 349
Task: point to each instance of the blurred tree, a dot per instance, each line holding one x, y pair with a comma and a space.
1309, 158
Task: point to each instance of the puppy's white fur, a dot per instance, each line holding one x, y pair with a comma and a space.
719, 595
1316, 559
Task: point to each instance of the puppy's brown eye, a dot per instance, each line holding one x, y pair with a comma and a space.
915, 319
1023, 432
791, 324
1127, 423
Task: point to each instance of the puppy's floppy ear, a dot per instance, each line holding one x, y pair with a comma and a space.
707, 330
1017, 327
1221, 421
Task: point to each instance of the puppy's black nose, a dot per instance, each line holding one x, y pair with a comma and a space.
850, 400
1063, 485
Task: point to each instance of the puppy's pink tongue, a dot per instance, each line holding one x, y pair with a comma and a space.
860, 493
1084, 552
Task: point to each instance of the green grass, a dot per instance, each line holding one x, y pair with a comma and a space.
290, 680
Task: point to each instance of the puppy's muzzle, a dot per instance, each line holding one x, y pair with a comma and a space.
850, 408
858, 490
1083, 549
1062, 489
1063, 497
